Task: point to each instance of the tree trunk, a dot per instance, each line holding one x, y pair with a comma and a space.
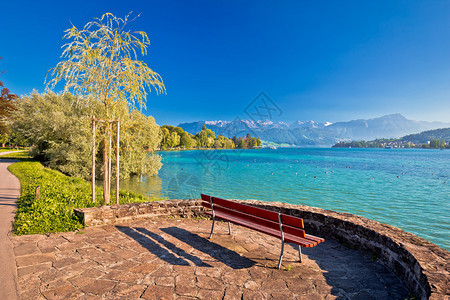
109, 160
105, 173
93, 160
117, 162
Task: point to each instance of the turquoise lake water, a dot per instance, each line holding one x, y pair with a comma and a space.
407, 188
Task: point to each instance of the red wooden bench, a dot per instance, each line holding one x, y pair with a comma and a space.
285, 227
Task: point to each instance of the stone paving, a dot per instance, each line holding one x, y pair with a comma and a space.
173, 259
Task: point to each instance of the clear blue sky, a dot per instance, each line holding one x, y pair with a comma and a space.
322, 60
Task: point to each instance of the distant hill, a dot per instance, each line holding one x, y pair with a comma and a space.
423, 137
437, 138
313, 133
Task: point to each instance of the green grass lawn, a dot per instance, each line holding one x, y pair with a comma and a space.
60, 194
19, 155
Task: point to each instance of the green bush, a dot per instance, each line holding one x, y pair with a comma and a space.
60, 129
59, 195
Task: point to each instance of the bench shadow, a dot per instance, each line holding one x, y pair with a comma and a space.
154, 242
7, 204
218, 252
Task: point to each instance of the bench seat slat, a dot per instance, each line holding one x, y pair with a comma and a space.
272, 224
314, 238
260, 221
252, 210
304, 242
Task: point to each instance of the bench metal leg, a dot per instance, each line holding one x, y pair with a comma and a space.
282, 240
213, 215
281, 254
229, 228
300, 253
212, 227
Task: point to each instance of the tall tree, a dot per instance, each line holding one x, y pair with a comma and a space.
101, 62
206, 137
59, 127
173, 140
165, 135
186, 140
6, 105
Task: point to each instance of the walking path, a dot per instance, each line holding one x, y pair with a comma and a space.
9, 193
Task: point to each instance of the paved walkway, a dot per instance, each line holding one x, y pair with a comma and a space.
173, 259
9, 193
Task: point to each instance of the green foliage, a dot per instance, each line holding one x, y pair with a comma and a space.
205, 138
442, 134
176, 137
186, 140
53, 211
102, 61
59, 127
6, 106
59, 195
165, 135
222, 142
11, 139
140, 137
437, 144
173, 140
248, 142
4, 138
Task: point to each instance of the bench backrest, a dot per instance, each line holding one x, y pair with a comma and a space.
263, 217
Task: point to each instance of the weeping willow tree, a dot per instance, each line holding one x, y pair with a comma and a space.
101, 62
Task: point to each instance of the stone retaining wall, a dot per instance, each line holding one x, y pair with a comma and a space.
420, 264
114, 214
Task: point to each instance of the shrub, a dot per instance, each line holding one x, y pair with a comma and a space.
59, 195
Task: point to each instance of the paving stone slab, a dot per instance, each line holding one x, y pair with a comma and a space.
26, 248
35, 270
174, 259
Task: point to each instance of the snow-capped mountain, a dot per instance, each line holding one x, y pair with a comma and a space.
315, 133
309, 124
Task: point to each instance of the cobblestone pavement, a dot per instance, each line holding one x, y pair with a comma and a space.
173, 259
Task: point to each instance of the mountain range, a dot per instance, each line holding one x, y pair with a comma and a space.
313, 133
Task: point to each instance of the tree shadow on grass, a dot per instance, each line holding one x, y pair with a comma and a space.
222, 254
